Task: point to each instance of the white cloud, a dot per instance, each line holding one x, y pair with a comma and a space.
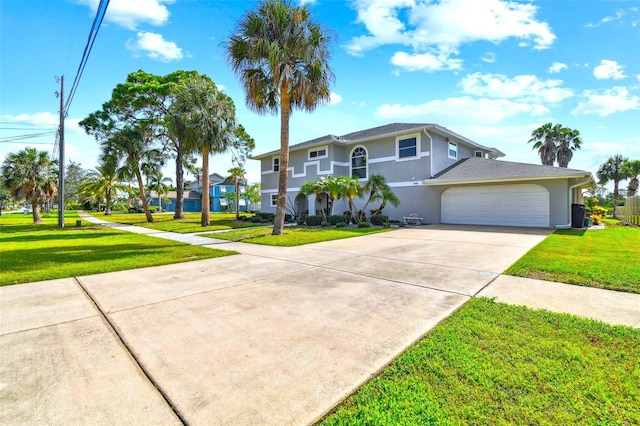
607, 102
129, 14
437, 29
556, 67
475, 111
489, 57
608, 69
303, 2
426, 61
335, 99
47, 119
155, 47
619, 14
521, 87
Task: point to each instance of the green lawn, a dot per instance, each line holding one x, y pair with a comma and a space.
495, 364
598, 258
30, 252
188, 225
293, 235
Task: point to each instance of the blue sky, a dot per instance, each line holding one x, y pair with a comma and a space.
490, 70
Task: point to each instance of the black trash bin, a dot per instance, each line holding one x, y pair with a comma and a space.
577, 215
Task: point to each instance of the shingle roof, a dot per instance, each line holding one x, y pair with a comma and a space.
482, 170
381, 130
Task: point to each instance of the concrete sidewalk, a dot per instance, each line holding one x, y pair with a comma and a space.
272, 336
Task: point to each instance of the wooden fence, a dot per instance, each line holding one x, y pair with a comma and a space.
630, 212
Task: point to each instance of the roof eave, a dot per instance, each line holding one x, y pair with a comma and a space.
439, 182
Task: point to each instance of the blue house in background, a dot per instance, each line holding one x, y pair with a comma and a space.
218, 187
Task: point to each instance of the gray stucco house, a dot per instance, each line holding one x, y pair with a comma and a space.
438, 174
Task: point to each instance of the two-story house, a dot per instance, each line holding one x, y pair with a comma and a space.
440, 175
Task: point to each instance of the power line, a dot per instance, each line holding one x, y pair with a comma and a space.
26, 136
93, 33
22, 128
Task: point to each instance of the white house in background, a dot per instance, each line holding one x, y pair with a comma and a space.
439, 174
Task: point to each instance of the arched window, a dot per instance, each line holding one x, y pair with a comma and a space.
359, 163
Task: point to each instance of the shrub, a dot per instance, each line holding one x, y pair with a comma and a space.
364, 224
265, 221
597, 219
402, 224
599, 211
379, 219
341, 225
287, 217
386, 225
255, 219
313, 220
325, 224
336, 219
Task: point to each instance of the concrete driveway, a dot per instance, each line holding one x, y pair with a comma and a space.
271, 336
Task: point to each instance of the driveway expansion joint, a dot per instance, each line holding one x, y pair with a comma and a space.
114, 330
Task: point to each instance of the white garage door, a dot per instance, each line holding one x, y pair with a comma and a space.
504, 205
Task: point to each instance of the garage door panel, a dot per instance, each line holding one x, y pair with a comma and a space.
506, 205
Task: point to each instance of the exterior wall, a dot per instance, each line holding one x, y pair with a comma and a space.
217, 199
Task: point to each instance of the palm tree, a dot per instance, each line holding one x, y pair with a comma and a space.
208, 116
237, 178
30, 174
631, 169
378, 189
544, 139
103, 183
157, 184
569, 142
612, 170
314, 187
352, 189
133, 147
281, 57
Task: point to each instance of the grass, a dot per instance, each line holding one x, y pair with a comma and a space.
293, 235
166, 222
597, 258
30, 252
495, 364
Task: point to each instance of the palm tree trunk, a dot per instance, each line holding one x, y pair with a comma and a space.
143, 196
204, 219
237, 198
107, 207
179, 214
615, 198
35, 210
281, 205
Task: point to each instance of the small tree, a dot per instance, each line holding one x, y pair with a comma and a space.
253, 193
631, 169
612, 170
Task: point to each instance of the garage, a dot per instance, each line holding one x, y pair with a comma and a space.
502, 205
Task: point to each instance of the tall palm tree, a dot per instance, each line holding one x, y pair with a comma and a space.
208, 116
612, 170
631, 169
103, 183
281, 57
569, 142
544, 140
134, 148
352, 189
30, 174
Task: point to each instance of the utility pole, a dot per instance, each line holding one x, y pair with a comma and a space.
61, 157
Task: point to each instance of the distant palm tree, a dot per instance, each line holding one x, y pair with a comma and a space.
612, 170
281, 57
631, 169
237, 178
30, 174
544, 140
208, 117
569, 142
103, 183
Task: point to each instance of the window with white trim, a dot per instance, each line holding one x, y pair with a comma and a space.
478, 154
453, 150
407, 147
275, 163
223, 189
318, 153
274, 200
359, 163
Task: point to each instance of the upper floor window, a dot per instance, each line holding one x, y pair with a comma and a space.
408, 147
359, 163
318, 153
276, 164
453, 151
478, 154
